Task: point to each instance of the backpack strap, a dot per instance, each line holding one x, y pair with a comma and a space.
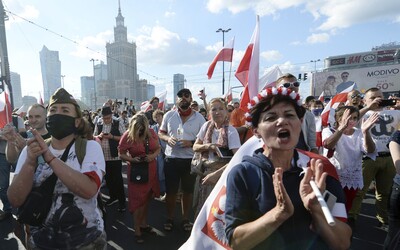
80, 148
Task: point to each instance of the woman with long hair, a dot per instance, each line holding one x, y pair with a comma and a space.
270, 203
139, 144
214, 134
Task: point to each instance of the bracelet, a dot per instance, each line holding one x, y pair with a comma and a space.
48, 162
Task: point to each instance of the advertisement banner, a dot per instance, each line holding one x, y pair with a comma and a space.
386, 78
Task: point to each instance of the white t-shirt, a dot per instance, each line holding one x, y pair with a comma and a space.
387, 124
87, 209
347, 157
191, 128
233, 139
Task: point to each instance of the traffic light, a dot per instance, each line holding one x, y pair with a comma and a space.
305, 77
299, 77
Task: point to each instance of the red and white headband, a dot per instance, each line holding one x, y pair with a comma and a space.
268, 92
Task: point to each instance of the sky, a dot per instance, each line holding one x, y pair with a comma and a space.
179, 36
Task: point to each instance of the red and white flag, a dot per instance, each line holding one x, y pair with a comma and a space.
40, 99
321, 96
318, 131
248, 69
269, 79
225, 54
208, 231
5, 107
228, 95
163, 100
329, 110
145, 106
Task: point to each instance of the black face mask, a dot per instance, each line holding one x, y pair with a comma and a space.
60, 126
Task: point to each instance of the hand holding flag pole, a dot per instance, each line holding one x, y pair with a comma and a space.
324, 206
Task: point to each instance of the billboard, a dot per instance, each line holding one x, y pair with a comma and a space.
386, 78
363, 59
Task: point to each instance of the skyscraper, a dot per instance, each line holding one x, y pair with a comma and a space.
122, 65
51, 71
179, 83
16, 89
87, 91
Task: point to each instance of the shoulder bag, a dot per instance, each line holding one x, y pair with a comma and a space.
140, 170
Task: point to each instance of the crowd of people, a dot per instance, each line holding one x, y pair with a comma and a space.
269, 193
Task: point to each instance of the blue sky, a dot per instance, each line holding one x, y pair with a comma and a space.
178, 36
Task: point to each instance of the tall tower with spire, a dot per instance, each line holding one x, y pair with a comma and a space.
122, 64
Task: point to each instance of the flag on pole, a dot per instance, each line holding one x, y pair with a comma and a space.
225, 54
163, 100
321, 96
40, 99
328, 113
5, 107
228, 95
268, 80
208, 231
248, 69
145, 106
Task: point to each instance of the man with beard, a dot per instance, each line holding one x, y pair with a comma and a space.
179, 129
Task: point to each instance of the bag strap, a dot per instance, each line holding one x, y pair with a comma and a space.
146, 146
51, 181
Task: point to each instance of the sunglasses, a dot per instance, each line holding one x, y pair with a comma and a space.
356, 95
186, 95
290, 84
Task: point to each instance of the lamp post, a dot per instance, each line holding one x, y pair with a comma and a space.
62, 81
223, 63
94, 84
315, 64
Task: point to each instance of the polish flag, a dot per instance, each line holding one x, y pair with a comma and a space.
318, 131
269, 79
321, 96
248, 69
228, 95
225, 54
145, 106
208, 231
5, 107
329, 110
163, 100
40, 99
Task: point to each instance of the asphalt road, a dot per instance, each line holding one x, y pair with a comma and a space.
120, 234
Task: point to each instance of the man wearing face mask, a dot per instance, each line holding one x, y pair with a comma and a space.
80, 181
179, 129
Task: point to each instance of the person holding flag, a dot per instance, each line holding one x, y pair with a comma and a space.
270, 203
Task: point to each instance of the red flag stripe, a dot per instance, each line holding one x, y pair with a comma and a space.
225, 54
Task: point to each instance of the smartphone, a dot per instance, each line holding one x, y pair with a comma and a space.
387, 102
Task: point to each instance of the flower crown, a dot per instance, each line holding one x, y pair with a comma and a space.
267, 92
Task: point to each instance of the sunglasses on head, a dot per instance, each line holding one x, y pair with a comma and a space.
186, 95
290, 84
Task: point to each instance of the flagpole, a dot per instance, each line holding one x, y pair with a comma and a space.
223, 63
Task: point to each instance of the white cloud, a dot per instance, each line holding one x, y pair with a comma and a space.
169, 14
157, 45
318, 38
271, 55
88, 47
333, 14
